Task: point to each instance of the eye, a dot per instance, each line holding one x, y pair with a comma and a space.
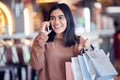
52, 18
61, 17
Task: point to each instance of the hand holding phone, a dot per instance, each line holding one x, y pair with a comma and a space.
45, 27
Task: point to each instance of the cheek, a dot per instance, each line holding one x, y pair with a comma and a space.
65, 24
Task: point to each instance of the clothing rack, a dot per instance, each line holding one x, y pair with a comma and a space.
12, 62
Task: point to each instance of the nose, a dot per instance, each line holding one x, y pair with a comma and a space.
56, 21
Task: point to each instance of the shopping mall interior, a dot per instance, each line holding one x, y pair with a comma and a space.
20, 22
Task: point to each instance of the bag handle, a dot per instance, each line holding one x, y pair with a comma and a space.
83, 50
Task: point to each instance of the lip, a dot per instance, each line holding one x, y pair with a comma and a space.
57, 26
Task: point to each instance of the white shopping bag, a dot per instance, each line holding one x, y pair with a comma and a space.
102, 65
76, 68
89, 66
85, 74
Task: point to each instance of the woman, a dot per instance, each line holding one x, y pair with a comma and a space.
55, 44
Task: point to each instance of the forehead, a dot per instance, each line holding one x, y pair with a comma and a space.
56, 12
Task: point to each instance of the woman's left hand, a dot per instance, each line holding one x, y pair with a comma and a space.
84, 43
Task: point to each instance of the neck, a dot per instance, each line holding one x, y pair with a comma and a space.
59, 35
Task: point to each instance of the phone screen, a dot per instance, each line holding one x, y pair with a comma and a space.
49, 28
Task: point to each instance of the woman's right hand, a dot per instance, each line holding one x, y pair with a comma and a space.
45, 27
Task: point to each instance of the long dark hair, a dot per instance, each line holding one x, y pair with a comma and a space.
69, 33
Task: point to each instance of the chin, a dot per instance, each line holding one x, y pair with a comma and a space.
58, 32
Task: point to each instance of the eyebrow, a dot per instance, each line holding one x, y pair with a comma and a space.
57, 16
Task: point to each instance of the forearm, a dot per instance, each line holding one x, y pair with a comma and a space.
37, 59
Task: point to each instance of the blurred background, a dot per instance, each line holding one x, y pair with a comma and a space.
20, 22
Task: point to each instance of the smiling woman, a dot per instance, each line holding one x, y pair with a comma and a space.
58, 22
52, 48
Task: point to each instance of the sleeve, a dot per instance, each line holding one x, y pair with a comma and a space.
37, 58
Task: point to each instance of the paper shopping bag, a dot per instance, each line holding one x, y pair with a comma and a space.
76, 68
89, 66
85, 74
102, 65
69, 73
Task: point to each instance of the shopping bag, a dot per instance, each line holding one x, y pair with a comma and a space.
69, 73
76, 68
89, 66
85, 74
102, 65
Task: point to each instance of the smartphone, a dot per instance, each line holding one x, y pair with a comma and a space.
49, 28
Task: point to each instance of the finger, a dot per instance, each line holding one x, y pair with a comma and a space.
80, 47
87, 44
86, 39
49, 31
44, 26
83, 43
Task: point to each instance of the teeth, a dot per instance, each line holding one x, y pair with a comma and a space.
57, 26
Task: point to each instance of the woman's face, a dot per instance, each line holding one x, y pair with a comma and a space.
58, 21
